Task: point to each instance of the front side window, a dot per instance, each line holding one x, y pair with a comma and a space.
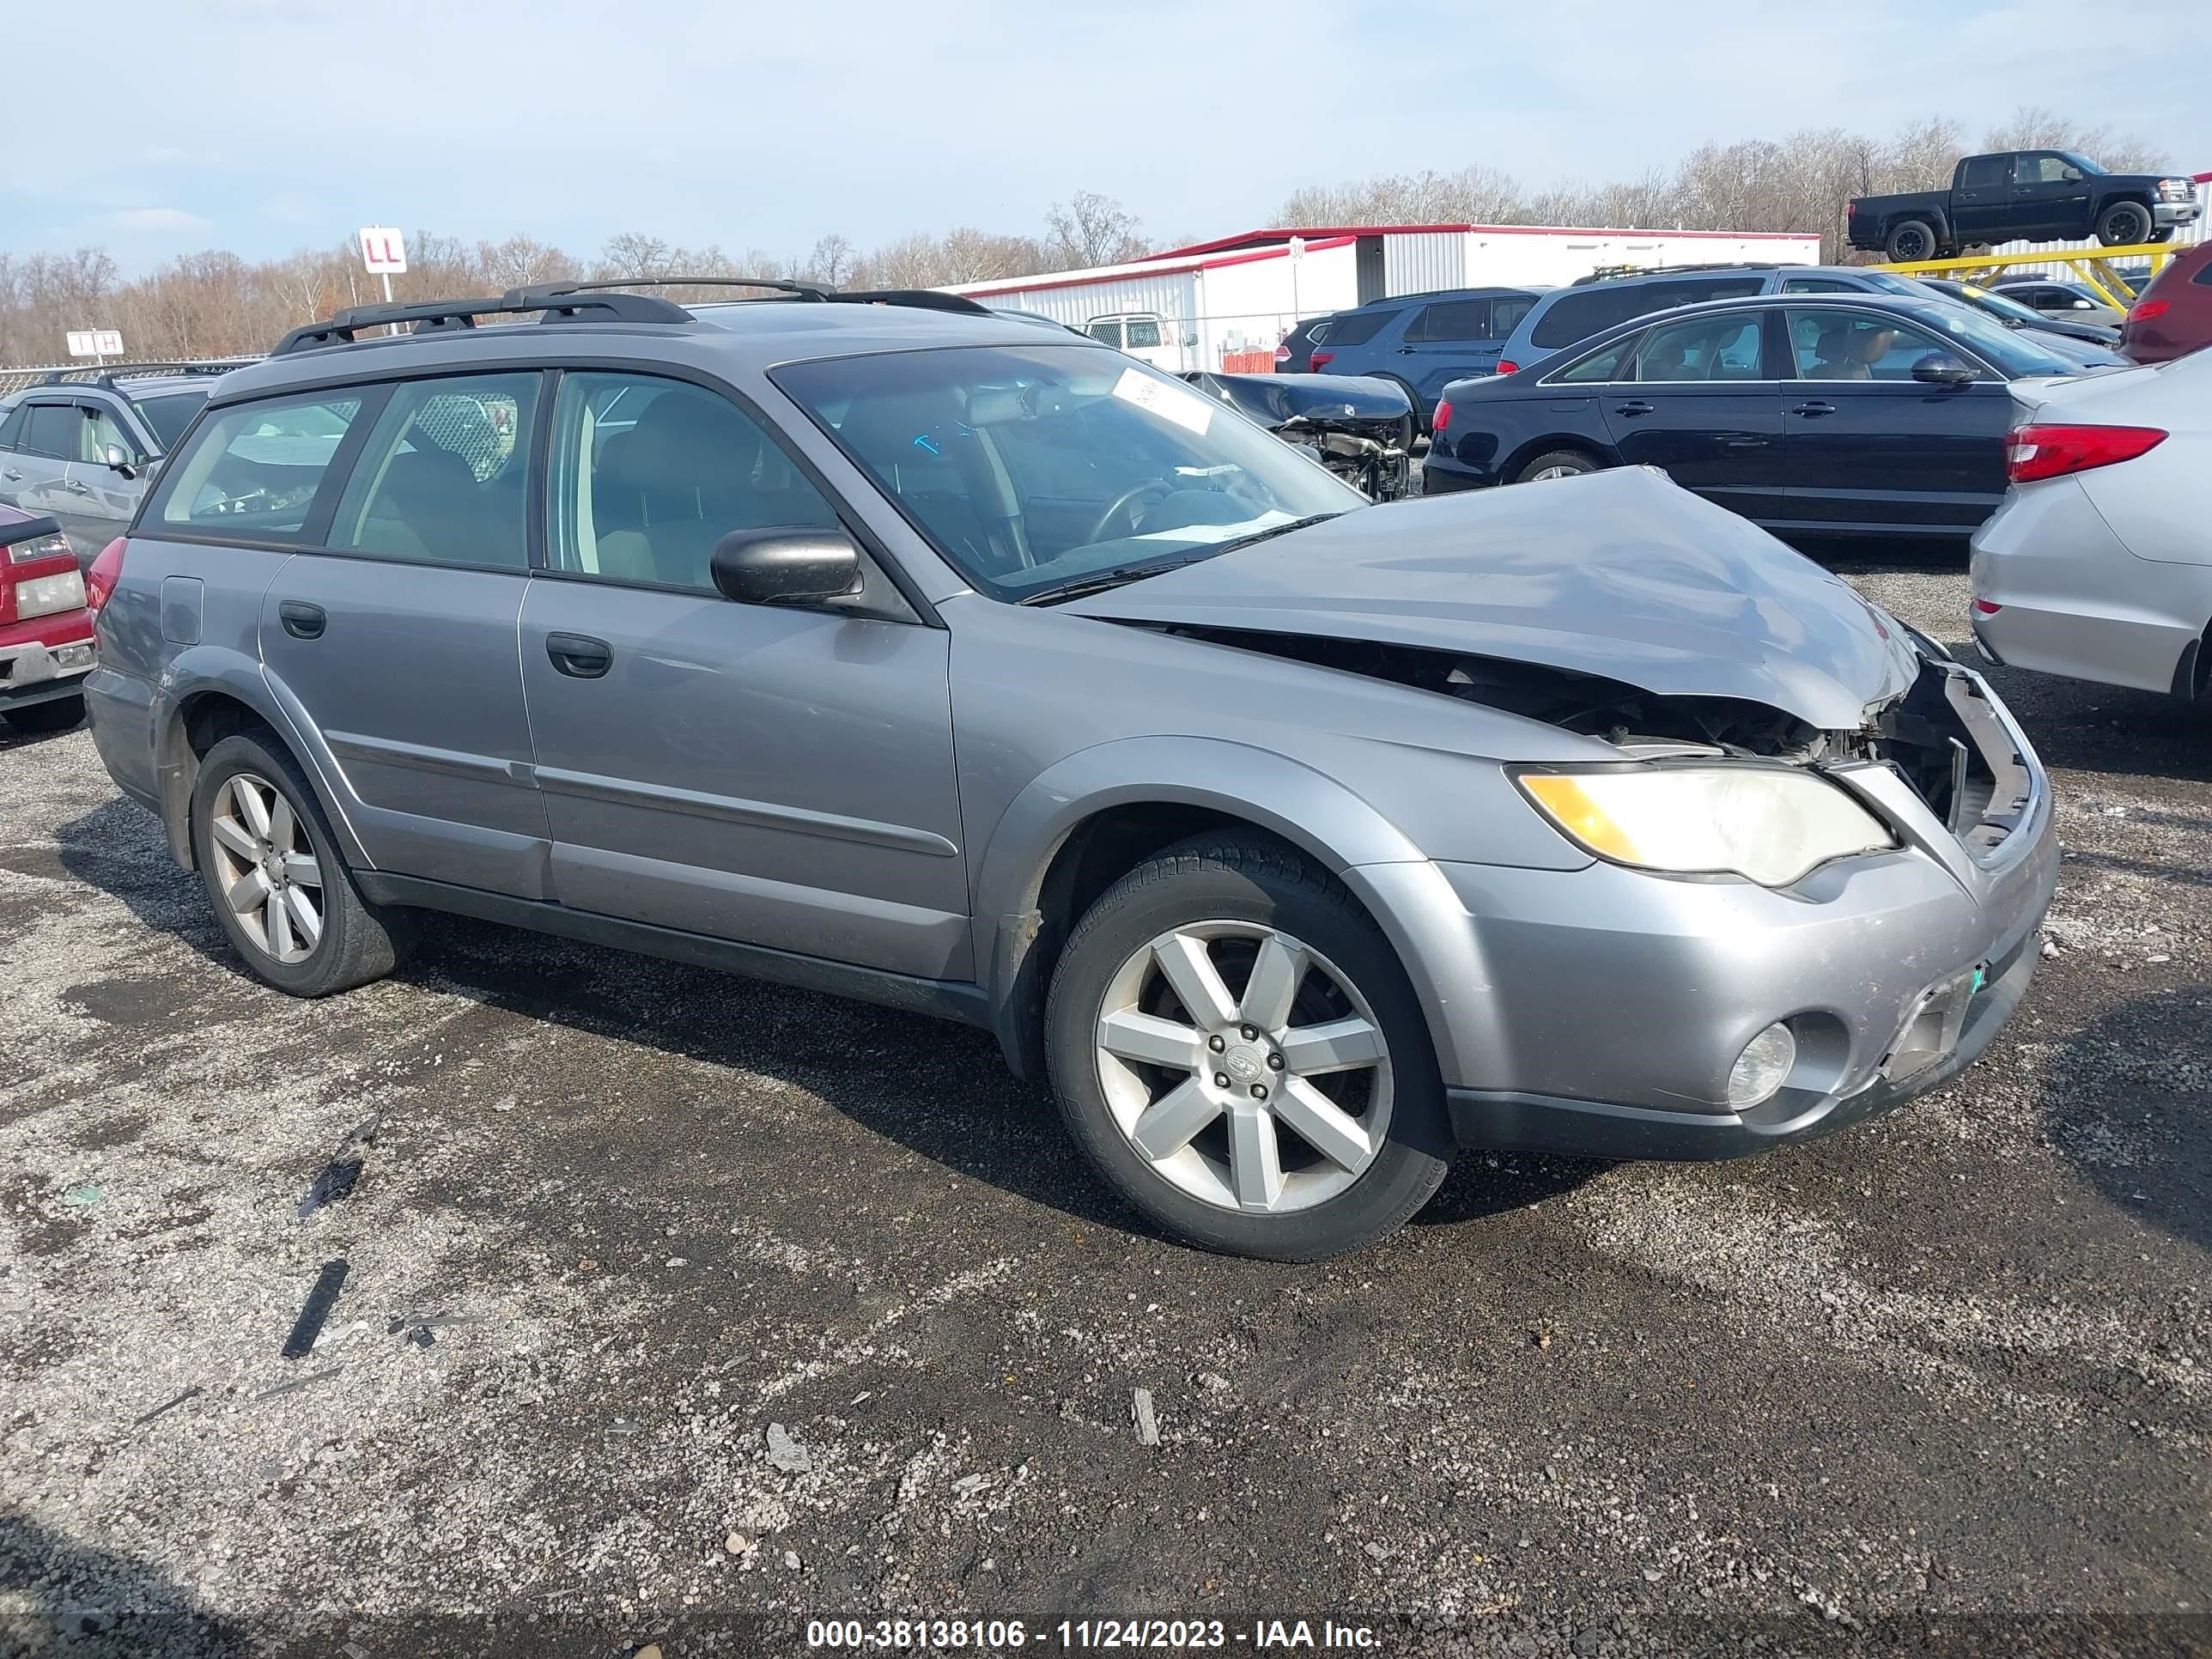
648, 474
1705, 349
443, 477
1840, 346
2044, 169
252, 472
99, 428
1031, 468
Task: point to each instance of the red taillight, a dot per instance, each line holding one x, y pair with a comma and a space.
2144, 310
106, 570
1320, 361
2047, 452
1988, 608
1507, 366
1441, 419
1282, 354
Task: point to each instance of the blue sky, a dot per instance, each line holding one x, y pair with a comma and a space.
262, 125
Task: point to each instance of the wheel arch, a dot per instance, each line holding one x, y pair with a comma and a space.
1509, 470
1083, 824
205, 701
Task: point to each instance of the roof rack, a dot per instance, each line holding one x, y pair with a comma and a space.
566, 301
1608, 273
107, 375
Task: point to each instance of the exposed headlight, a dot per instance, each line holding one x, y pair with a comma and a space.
1769, 824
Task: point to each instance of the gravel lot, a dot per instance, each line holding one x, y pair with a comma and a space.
1942, 1384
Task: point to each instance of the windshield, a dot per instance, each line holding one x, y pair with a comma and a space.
170, 412
1998, 305
2081, 162
1882, 283
1030, 468
1997, 345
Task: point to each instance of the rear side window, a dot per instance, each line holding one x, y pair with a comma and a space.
11, 427
1453, 319
51, 431
252, 472
1599, 366
2202, 279
443, 477
1981, 172
1357, 327
1818, 285
1577, 316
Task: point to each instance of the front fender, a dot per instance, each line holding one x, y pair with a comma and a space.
1401, 888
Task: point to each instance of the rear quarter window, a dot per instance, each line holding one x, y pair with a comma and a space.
1357, 327
253, 473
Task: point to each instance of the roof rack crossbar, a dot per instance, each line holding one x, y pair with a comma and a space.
532, 296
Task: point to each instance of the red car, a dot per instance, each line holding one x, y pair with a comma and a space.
2174, 315
45, 630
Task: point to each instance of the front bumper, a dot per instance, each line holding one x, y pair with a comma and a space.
1601, 1010
2173, 214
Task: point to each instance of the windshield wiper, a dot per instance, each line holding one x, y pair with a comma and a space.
1119, 576
1274, 530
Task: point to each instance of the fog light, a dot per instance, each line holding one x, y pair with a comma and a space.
1761, 1067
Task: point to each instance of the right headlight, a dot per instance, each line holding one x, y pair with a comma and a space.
1770, 824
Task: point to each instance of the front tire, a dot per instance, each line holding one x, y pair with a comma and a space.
1237, 1047
2124, 224
58, 714
279, 886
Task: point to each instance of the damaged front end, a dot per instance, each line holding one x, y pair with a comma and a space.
1356, 429
1940, 734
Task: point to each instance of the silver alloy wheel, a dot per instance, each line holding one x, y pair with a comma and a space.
1266, 1100
267, 868
1557, 472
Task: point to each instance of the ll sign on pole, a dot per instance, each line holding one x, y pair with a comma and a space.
383, 253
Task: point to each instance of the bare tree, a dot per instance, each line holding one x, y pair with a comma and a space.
1091, 230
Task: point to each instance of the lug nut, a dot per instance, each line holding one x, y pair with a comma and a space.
1274, 1062
1215, 1042
1259, 1091
1247, 1032
1221, 1079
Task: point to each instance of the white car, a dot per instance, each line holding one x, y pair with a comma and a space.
2099, 564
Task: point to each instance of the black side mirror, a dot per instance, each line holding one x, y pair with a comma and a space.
1942, 369
788, 564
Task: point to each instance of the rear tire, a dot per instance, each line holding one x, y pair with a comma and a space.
1557, 463
1914, 238
58, 715
1323, 1126
278, 884
2124, 224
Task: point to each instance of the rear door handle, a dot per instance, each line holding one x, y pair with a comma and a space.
1813, 408
302, 621
1635, 406
579, 656
12, 476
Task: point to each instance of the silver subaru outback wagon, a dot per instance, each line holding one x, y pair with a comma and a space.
892, 650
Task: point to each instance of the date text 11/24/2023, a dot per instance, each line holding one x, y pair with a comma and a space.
1009, 1635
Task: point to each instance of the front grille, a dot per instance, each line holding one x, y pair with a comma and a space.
1948, 744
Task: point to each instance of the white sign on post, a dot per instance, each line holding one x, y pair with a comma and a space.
95, 343
383, 251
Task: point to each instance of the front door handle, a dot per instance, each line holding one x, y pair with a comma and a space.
74, 488
1634, 406
302, 621
1814, 409
579, 656
1743, 443
1405, 351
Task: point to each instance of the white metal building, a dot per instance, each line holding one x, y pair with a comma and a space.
1234, 297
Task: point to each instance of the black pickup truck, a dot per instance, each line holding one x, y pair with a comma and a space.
2023, 196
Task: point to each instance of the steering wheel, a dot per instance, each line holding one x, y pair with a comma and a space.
1122, 502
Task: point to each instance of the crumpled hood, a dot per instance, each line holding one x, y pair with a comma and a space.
1620, 573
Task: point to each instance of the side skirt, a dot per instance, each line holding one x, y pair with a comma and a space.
938, 999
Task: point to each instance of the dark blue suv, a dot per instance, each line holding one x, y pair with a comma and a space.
1424, 342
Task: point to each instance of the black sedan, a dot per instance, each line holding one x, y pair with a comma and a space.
1839, 413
